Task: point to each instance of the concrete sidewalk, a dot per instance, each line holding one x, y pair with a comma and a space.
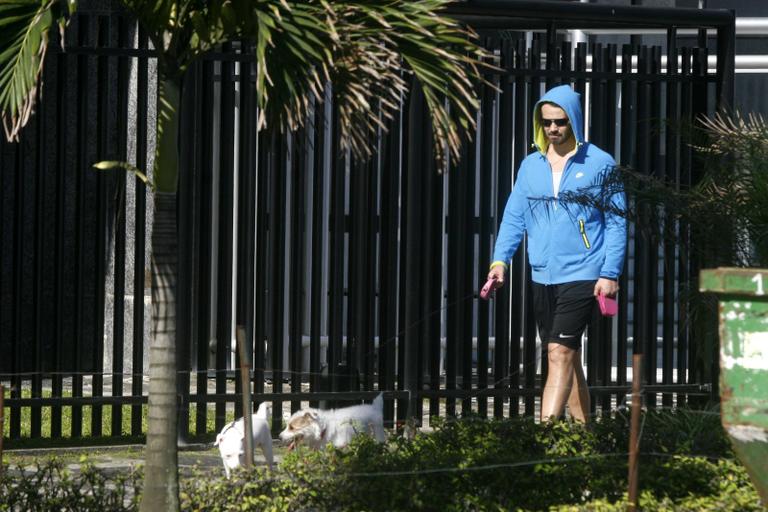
114, 459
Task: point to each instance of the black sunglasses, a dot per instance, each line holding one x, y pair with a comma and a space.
558, 122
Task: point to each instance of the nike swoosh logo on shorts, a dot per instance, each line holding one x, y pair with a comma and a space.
565, 336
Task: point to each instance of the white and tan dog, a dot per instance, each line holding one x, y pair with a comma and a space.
317, 427
231, 439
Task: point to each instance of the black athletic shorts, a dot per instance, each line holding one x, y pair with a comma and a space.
563, 311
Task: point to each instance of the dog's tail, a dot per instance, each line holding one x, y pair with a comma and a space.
378, 402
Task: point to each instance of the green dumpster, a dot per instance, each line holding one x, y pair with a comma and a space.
743, 315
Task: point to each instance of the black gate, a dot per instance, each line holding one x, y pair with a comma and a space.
347, 276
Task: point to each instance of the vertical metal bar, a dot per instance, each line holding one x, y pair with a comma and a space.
263, 241
611, 100
432, 270
39, 248
516, 287
102, 145
468, 286
641, 331
356, 242
670, 229
610, 106
140, 276
373, 229
248, 192
318, 177
453, 319
644, 332
2, 426
484, 253
405, 138
186, 256
634, 432
726, 44
551, 47
700, 370
457, 235
388, 278
337, 253
413, 251
566, 59
501, 308
529, 323
225, 241
62, 110
278, 253
18, 287
653, 249
118, 332
628, 119
80, 272
580, 64
204, 223
683, 258
196, 339
701, 36
358, 332
295, 304
598, 134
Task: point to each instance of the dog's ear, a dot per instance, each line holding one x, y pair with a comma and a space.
219, 437
311, 413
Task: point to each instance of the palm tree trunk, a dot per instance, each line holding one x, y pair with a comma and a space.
161, 485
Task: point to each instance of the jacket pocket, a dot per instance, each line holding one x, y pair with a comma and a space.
584, 237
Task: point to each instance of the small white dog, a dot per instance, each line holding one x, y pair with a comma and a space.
319, 427
231, 439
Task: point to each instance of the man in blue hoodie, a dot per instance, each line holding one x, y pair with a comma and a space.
575, 247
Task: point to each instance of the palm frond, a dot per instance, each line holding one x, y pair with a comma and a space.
370, 52
24, 27
380, 44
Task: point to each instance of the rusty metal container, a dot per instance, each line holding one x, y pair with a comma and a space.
743, 311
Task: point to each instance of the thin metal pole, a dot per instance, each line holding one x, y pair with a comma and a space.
245, 379
634, 441
2, 425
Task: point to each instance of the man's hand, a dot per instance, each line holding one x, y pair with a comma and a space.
607, 287
498, 272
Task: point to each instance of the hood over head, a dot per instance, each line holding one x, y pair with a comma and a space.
569, 100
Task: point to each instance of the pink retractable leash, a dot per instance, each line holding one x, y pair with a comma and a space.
487, 290
608, 305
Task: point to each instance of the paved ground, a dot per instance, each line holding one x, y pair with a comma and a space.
121, 458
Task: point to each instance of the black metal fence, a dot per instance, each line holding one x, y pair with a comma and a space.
347, 275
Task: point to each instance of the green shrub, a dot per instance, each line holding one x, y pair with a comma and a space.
51, 486
469, 464
479, 464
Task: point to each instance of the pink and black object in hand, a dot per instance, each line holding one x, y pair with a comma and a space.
487, 290
608, 305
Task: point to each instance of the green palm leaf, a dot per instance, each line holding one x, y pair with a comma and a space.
379, 44
24, 26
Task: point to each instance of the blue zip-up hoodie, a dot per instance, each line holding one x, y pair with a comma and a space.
567, 241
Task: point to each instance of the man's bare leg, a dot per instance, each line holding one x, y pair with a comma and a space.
560, 380
579, 400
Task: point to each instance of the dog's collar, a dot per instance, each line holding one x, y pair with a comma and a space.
231, 426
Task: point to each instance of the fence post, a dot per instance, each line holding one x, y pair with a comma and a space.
2, 425
637, 361
245, 380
